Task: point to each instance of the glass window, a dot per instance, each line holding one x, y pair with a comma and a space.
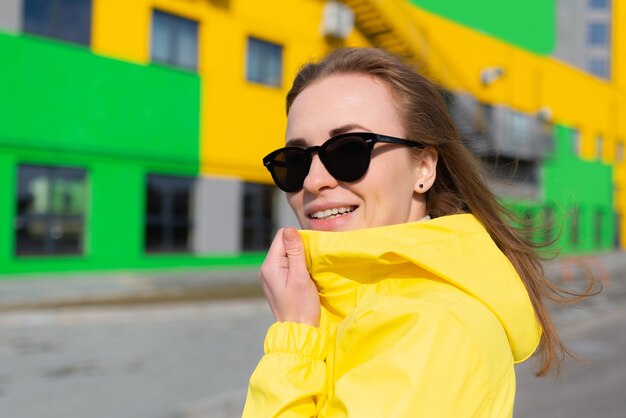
548, 224
51, 206
576, 142
574, 236
598, 67
67, 20
258, 218
617, 229
174, 40
514, 170
619, 152
598, 34
264, 62
519, 129
528, 226
598, 4
169, 214
598, 220
599, 145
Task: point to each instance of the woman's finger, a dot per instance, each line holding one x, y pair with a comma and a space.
294, 250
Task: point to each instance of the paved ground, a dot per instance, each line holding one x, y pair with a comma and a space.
193, 359
160, 361
184, 284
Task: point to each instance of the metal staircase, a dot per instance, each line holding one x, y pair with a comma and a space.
373, 18
390, 25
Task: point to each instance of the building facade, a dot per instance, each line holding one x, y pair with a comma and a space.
131, 132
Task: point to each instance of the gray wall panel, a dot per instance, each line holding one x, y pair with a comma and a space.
11, 15
217, 216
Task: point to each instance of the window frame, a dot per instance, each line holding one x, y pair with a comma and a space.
175, 25
594, 30
574, 221
51, 246
167, 219
258, 223
599, 67
56, 26
595, 5
262, 79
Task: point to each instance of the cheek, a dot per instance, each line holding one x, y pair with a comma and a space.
392, 189
295, 202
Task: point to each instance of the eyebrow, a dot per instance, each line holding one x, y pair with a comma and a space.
345, 128
301, 142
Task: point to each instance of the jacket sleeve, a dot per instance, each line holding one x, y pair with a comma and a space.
408, 361
291, 376
395, 360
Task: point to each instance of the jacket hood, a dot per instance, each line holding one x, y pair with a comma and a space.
456, 249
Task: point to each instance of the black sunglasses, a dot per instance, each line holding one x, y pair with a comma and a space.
346, 157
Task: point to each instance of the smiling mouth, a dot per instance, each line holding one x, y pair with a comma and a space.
332, 213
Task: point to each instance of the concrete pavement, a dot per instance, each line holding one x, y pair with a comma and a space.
121, 287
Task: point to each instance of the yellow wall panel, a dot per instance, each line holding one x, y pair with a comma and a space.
120, 29
242, 120
249, 118
457, 55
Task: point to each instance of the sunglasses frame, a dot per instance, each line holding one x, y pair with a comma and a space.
369, 138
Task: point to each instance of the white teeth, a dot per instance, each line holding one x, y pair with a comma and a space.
332, 213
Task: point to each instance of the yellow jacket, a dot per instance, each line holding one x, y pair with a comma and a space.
423, 319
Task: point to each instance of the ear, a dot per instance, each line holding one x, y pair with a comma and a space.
426, 170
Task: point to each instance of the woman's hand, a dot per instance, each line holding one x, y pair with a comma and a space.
288, 287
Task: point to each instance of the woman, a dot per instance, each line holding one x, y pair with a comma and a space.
406, 294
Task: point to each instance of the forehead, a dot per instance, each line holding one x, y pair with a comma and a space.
340, 100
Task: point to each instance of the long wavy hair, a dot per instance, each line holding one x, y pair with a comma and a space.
460, 185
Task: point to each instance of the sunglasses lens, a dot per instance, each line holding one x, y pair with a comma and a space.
290, 168
348, 158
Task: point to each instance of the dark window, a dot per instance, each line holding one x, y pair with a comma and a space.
574, 236
528, 224
598, 34
599, 145
174, 40
619, 152
258, 218
68, 20
168, 214
264, 62
514, 170
548, 224
598, 4
599, 67
51, 205
597, 227
576, 142
617, 229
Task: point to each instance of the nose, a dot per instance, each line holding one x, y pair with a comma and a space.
318, 178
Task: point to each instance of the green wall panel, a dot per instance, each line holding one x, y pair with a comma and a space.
63, 105
116, 218
62, 97
570, 184
529, 24
7, 190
